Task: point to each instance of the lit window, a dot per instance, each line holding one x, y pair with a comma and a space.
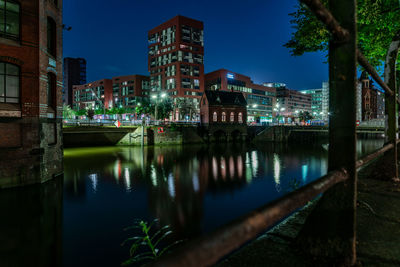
240, 117
215, 116
9, 83
223, 117
232, 119
9, 19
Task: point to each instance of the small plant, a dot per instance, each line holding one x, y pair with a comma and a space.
148, 242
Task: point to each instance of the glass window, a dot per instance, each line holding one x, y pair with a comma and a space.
215, 116
9, 19
232, 117
51, 90
240, 117
223, 117
9, 83
51, 37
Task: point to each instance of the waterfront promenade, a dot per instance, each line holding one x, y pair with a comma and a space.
378, 230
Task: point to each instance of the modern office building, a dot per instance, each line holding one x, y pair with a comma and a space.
30, 91
122, 91
316, 102
129, 90
260, 99
291, 102
74, 72
176, 54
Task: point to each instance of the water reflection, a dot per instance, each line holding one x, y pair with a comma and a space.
194, 189
31, 225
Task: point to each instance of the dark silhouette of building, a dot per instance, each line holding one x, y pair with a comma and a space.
176, 51
369, 98
74, 74
30, 91
223, 107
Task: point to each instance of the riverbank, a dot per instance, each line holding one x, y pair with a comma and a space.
378, 230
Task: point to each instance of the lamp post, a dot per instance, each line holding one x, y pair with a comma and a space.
97, 98
156, 98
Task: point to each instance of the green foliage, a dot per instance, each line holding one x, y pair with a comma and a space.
305, 116
377, 23
144, 108
149, 240
81, 112
68, 112
164, 108
99, 111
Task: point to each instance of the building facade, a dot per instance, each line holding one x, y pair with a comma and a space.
223, 107
176, 60
369, 97
260, 99
30, 91
74, 73
122, 92
290, 103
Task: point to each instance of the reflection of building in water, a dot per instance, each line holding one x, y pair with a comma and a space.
31, 225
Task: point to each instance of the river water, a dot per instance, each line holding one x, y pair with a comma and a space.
79, 220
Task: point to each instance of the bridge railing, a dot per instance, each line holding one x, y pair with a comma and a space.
335, 215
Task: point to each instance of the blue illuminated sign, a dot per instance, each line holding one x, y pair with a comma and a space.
230, 76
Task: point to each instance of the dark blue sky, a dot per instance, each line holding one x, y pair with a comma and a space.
242, 36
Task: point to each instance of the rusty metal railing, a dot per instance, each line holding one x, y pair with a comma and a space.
207, 250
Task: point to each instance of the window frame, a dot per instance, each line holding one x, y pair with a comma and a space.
4, 34
5, 83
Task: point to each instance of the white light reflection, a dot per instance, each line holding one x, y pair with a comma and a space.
304, 172
240, 166
153, 175
277, 172
196, 183
254, 162
127, 179
223, 168
171, 185
231, 167
93, 178
215, 168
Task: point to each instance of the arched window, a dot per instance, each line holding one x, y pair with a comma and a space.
232, 117
9, 19
223, 119
51, 37
9, 83
215, 116
240, 117
51, 90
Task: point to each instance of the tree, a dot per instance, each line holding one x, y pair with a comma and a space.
90, 114
81, 112
305, 116
144, 108
164, 108
378, 33
68, 112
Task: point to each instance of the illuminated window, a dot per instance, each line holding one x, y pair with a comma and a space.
240, 117
223, 117
215, 116
9, 83
232, 119
9, 19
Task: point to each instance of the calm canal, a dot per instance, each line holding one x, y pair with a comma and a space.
79, 220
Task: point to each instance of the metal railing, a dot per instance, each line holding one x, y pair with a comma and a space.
343, 166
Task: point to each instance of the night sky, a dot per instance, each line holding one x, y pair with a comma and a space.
242, 36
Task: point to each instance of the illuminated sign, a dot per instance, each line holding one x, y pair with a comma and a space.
230, 76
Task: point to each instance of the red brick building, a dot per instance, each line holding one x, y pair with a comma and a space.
123, 91
30, 91
223, 107
369, 98
176, 52
260, 99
